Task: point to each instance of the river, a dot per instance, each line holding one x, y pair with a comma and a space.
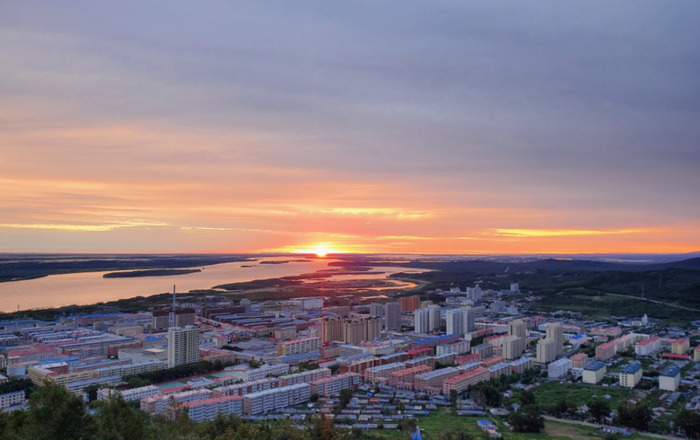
90, 287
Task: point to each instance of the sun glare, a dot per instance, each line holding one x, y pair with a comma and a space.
321, 250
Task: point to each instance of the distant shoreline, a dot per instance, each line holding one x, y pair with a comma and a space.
150, 273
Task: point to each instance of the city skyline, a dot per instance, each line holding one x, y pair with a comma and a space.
324, 127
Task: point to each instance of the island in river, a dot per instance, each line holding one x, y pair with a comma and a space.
150, 273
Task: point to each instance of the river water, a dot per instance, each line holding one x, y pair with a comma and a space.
91, 287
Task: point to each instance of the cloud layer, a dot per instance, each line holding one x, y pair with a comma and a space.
372, 126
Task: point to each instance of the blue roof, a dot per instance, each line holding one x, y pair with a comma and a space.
153, 338
671, 371
631, 368
595, 366
434, 338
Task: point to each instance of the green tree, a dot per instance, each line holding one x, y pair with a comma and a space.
453, 398
407, 425
116, 419
527, 419
637, 417
527, 397
453, 434
560, 409
599, 409
689, 422
345, 396
492, 397
55, 414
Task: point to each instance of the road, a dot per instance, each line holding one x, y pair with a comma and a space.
594, 425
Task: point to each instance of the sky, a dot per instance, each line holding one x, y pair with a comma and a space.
394, 126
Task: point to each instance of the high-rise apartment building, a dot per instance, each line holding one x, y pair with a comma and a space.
358, 329
332, 329
183, 345
421, 321
375, 310
455, 322
469, 320
514, 343
409, 303
552, 345
434, 317
160, 320
184, 317
392, 316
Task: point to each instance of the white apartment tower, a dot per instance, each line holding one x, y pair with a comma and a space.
455, 322
468, 320
183, 345
434, 317
421, 320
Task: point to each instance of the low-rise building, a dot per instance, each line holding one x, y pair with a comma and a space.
128, 395
432, 381
276, 398
462, 382
331, 386
680, 346
264, 371
208, 409
579, 360
522, 364
594, 372
630, 375
559, 368
670, 378
648, 346
11, 399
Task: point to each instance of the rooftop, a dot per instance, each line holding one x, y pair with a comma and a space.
671, 371
595, 366
631, 368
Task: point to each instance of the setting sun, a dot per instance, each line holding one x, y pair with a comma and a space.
319, 249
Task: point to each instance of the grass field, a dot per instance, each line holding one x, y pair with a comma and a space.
549, 393
438, 421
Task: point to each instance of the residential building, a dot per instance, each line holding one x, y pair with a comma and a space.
468, 319
594, 373
209, 409
462, 382
409, 303
670, 378
296, 346
630, 375
331, 385
579, 360
455, 321
559, 368
276, 398
648, 347
392, 316
264, 371
183, 345
421, 321
680, 346
11, 399
333, 328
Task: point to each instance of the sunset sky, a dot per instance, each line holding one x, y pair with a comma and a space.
363, 126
